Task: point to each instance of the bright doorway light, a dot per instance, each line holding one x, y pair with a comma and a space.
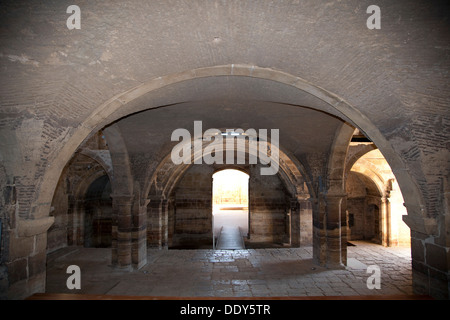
230, 200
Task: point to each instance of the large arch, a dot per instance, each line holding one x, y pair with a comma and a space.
372, 174
391, 203
365, 223
113, 109
125, 103
68, 203
167, 176
396, 77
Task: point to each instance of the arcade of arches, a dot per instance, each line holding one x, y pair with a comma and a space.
83, 209
87, 117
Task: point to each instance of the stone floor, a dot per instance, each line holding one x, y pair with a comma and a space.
230, 238
234, 273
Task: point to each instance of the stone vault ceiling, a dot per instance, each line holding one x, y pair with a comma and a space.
230, 103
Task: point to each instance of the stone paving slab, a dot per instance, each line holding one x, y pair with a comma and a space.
235, 273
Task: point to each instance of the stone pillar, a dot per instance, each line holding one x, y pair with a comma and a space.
319, 234
121, 232
335, 231
157, 234
430, 249
305, 222
164, 223
170, 217
329, 231
23, 250
300, 221
295, 223
385, 221
27, 256
430, 265
75, 223
139, 236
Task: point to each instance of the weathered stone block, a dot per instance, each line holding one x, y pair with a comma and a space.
437, 257
420, 281
17, 270
20, 247
417, 250
439, 288
37, 264
124, 222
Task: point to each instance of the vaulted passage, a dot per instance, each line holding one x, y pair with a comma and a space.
203, 188
113, 138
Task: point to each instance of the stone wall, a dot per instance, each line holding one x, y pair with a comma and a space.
74, 204
192, 221
363, 211
57, 234
269, 208
306, 223
268, 205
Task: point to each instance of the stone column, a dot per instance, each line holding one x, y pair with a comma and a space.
139, 236
23, 250
430, 249
121, 231
164, 223
385, 221
158, 222
319, 234
329, 226
300, 217
171, 218
335, 230
295, 223
305, 221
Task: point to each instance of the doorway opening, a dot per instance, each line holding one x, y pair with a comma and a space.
230, 208
375, 203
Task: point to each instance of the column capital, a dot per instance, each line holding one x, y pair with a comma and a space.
302, 197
